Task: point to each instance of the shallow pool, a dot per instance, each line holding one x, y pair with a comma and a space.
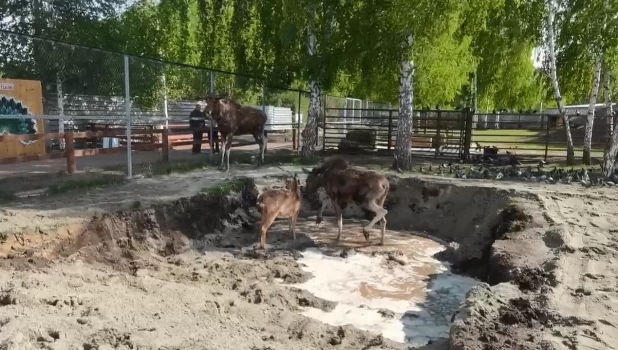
422, 295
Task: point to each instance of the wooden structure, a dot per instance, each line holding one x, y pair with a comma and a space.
70, 153
29, 94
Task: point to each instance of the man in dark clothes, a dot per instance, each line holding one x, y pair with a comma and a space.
197, 119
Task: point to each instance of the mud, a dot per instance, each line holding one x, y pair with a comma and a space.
183, 274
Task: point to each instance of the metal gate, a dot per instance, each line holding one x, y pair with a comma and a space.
435, 132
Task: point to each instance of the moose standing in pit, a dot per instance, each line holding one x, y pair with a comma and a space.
344, 185
235, 119
282, 203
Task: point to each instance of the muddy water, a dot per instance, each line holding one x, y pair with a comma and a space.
422, 295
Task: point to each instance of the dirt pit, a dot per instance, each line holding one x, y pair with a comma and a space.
185, 275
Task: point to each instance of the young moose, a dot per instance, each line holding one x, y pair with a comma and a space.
282, 203
344, 185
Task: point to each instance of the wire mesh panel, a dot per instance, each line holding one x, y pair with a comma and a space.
73, 89
283, 109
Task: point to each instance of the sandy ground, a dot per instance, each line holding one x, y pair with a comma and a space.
205, 295
117, 160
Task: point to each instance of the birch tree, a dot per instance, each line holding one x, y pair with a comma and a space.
316, 25
586, 156
550, 32
310, 132
408, 23
611, 149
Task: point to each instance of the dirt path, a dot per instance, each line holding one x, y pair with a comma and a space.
586, 274
116, 160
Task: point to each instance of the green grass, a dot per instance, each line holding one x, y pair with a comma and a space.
6, 196
71, 185
225, 188
244, 158
180, 168
273, 159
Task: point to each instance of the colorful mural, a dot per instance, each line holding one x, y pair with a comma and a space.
16, 126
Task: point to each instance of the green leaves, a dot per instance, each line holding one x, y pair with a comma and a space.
358, 46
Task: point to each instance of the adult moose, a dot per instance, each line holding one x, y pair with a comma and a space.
344, 185
232, 119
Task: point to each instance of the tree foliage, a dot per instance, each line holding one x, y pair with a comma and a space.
358, 47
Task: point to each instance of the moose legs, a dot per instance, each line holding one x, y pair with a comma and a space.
267, 220
260, 139
339, 214
227, 146
292, 222
380, 216
318, 220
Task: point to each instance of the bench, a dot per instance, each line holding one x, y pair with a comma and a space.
418, 141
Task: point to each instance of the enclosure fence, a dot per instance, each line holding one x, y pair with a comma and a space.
118, 104
462, 133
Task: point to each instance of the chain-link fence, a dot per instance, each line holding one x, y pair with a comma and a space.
122, 111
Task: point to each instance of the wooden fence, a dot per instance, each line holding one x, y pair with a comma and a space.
70, 153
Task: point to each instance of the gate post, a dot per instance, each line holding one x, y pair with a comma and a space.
438, 136
390, 129
469, 115
127, 112
546, 135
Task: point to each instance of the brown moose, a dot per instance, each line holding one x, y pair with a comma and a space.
232, 119
282, 203
344, 185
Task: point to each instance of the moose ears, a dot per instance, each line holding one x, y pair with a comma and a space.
306, 171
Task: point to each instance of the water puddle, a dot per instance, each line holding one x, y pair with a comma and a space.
422, 294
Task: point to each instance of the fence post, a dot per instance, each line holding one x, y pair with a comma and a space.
69, 152
317, 138
210, 135
165, 112
299, 119
390, 129
60, 109
438, 136
166, 145
323, 126
468, 134
546, 118
127, 112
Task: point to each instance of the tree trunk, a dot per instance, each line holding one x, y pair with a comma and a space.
609, 156
309, 134
551, 12
586, 157
406, 104
609, 110
60, 99
611, 149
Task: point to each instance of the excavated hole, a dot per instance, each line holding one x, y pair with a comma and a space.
407, 290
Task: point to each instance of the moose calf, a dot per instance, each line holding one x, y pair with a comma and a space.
282, 203
344, 185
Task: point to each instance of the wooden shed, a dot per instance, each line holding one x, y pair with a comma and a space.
21, 97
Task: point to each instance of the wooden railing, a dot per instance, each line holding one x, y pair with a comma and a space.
70, 153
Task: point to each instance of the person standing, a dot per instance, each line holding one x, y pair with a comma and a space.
197, 121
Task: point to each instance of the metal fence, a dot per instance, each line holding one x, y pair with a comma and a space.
435, 133
537, 135
461, 133
50, 87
